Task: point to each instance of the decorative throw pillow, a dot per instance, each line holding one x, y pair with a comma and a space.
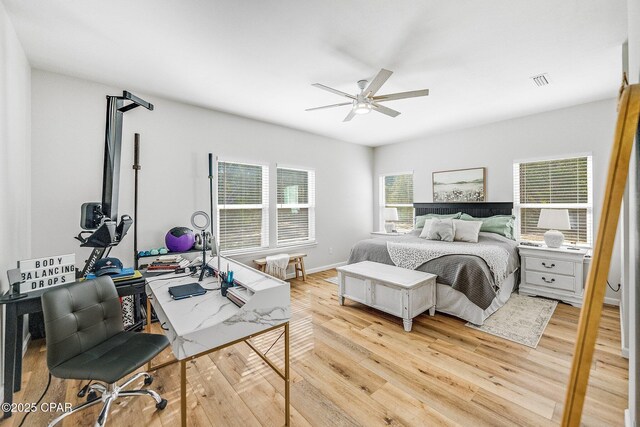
466, 231
503, 225
425, 229
500, 224
441, 229
422, 218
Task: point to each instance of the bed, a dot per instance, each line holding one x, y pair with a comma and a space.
474, 279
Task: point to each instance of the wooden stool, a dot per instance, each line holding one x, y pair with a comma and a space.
296, 259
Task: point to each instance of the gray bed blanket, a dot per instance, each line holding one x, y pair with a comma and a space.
468, 274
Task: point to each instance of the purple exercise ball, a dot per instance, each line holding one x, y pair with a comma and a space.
179, 239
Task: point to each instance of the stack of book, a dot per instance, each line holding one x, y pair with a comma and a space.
167, 263
238, 295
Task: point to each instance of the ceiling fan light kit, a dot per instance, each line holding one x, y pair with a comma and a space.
365, 101
361, 107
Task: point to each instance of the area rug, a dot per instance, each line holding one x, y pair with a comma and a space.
333, 280
522, 319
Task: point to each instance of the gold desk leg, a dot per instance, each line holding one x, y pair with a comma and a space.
287, 393
183, 393
148, 326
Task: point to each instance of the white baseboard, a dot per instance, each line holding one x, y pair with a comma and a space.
624, 352
319, 269
612, 301
326, 267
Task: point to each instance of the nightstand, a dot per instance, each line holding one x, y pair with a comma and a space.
556, 273
377, 234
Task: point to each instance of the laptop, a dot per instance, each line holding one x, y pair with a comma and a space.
186, 291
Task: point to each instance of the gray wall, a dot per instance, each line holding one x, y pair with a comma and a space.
68, 139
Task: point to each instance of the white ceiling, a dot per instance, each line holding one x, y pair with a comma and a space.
258, 58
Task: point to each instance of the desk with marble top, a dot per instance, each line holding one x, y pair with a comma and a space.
200, 325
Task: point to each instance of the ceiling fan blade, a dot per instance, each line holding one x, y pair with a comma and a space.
401, 95
329, 106
332, 90
385, 110
377, 82
350, 115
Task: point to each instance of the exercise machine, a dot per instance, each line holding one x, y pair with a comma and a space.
99, 220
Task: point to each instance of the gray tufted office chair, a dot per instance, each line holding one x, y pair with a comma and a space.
86, 340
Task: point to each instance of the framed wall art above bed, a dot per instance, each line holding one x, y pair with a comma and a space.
460, 185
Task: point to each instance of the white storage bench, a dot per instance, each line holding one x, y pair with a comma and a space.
394, 290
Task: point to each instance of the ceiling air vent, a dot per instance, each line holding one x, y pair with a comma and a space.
541, 80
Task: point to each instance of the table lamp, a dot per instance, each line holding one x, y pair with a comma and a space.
554, 220
390, 214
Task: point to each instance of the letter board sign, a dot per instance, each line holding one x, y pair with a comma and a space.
47, 272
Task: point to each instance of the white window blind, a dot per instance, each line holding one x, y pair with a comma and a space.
554, 184
243, 206
296, 202
397, 192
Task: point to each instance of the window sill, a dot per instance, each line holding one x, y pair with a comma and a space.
268, 251
297, 245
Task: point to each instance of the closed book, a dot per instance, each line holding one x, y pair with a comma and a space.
173, 264
136, 274
161, 268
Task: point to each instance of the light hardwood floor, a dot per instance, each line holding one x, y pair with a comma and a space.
353, 365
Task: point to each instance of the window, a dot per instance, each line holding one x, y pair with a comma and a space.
243, 206
397, 192
296, 206
556, 184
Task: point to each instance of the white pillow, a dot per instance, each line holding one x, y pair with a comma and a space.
467, 231
441, 229
425, 229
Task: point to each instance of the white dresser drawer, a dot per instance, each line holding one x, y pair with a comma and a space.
550, 265
550, 280
553, 273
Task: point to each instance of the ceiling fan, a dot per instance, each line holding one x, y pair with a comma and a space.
366, 100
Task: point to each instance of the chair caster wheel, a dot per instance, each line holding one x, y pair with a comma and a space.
162, 404
148, 380
92, 395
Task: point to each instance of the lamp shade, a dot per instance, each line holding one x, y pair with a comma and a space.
554, 219
390, 214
